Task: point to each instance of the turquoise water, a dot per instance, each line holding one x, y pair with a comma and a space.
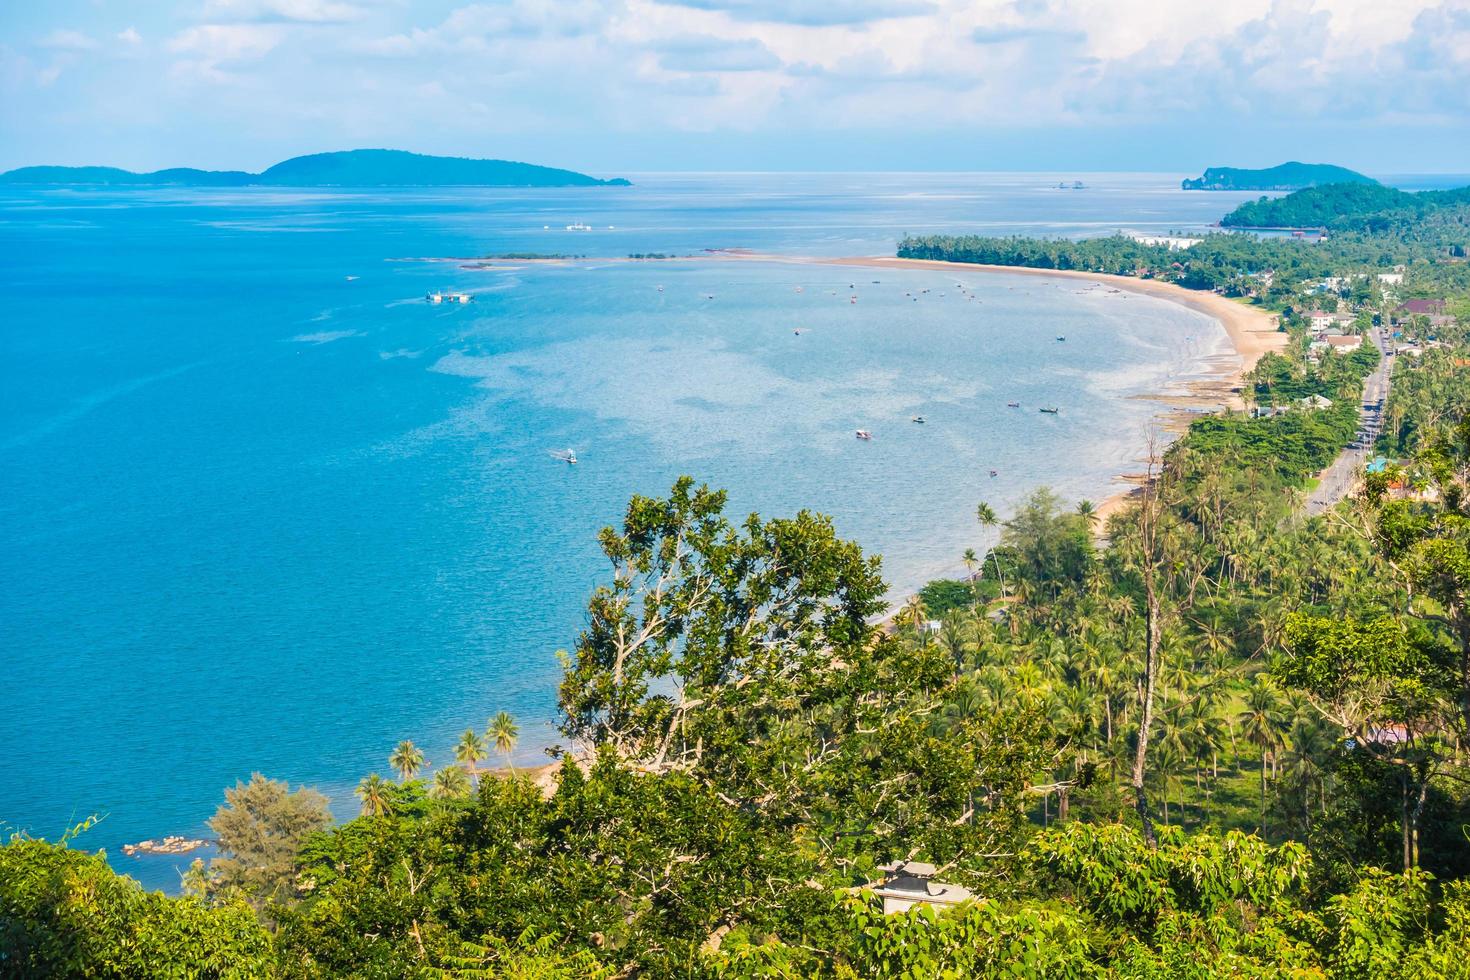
257, 515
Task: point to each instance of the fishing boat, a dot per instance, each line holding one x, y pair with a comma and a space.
443, 297
994, 473
919, 419
1061, 339
1013, 404
568, 456
864, 435
1049, 411
579, 226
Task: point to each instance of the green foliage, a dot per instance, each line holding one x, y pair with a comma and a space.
261, 827
943, 595
65, 913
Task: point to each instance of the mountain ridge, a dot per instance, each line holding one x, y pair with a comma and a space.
341, 168
1289, 176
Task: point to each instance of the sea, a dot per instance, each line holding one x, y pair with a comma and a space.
263, 508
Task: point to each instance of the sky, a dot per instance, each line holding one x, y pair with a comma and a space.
629, 86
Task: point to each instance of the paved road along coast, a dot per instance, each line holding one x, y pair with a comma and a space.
1339, 479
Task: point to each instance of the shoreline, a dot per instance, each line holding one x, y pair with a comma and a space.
1252, 334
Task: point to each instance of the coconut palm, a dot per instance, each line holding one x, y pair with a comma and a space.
985, 514
470, 750
916, 615
407, 759
1088, 513
503, 732
373, 791
1261, 725
969, 560
450, 783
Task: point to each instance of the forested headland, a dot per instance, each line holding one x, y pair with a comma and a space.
1212, 738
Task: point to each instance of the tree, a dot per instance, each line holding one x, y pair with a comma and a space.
407, 759
261, 828
970, 561
374, 791
450, 783
470, 750
1261, 724
1150, 558
503, 732
65, 913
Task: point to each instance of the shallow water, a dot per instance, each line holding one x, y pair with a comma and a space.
256, 515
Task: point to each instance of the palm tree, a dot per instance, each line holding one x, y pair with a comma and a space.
916, 615
470, 750
1088, 513
503, 732
407, 759
970, 561
1260, 723
985, 514
373, 791
450, 783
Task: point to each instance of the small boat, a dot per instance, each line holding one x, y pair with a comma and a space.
994, 473
864, 435
568, 456
579, 226
350, 278
1049, 411
1061, 339
797, 331
660, 289
1013, 404
919, 419
853, 300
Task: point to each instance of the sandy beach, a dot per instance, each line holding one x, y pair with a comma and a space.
1252, 333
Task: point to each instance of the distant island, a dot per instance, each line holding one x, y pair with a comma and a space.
346, 168
1291, 176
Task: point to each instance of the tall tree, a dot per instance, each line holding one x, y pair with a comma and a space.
375, 793
407, 760
504, 733
261, 828
470, 750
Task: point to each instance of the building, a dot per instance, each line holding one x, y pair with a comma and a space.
1174, 243
1315, 401
1321, 321
910, 883
1344, 345
1419, 307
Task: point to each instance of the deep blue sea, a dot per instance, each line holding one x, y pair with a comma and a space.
263, 508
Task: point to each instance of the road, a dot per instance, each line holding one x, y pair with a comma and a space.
1339, 479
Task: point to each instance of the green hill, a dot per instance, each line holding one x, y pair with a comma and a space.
347, 168
1365, 208
1286, 177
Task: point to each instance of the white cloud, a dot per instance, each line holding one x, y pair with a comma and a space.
699, 53
226, 42
68, 40
129, 35
812, 12
284, 11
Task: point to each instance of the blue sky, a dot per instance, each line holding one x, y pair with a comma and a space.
636, 85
